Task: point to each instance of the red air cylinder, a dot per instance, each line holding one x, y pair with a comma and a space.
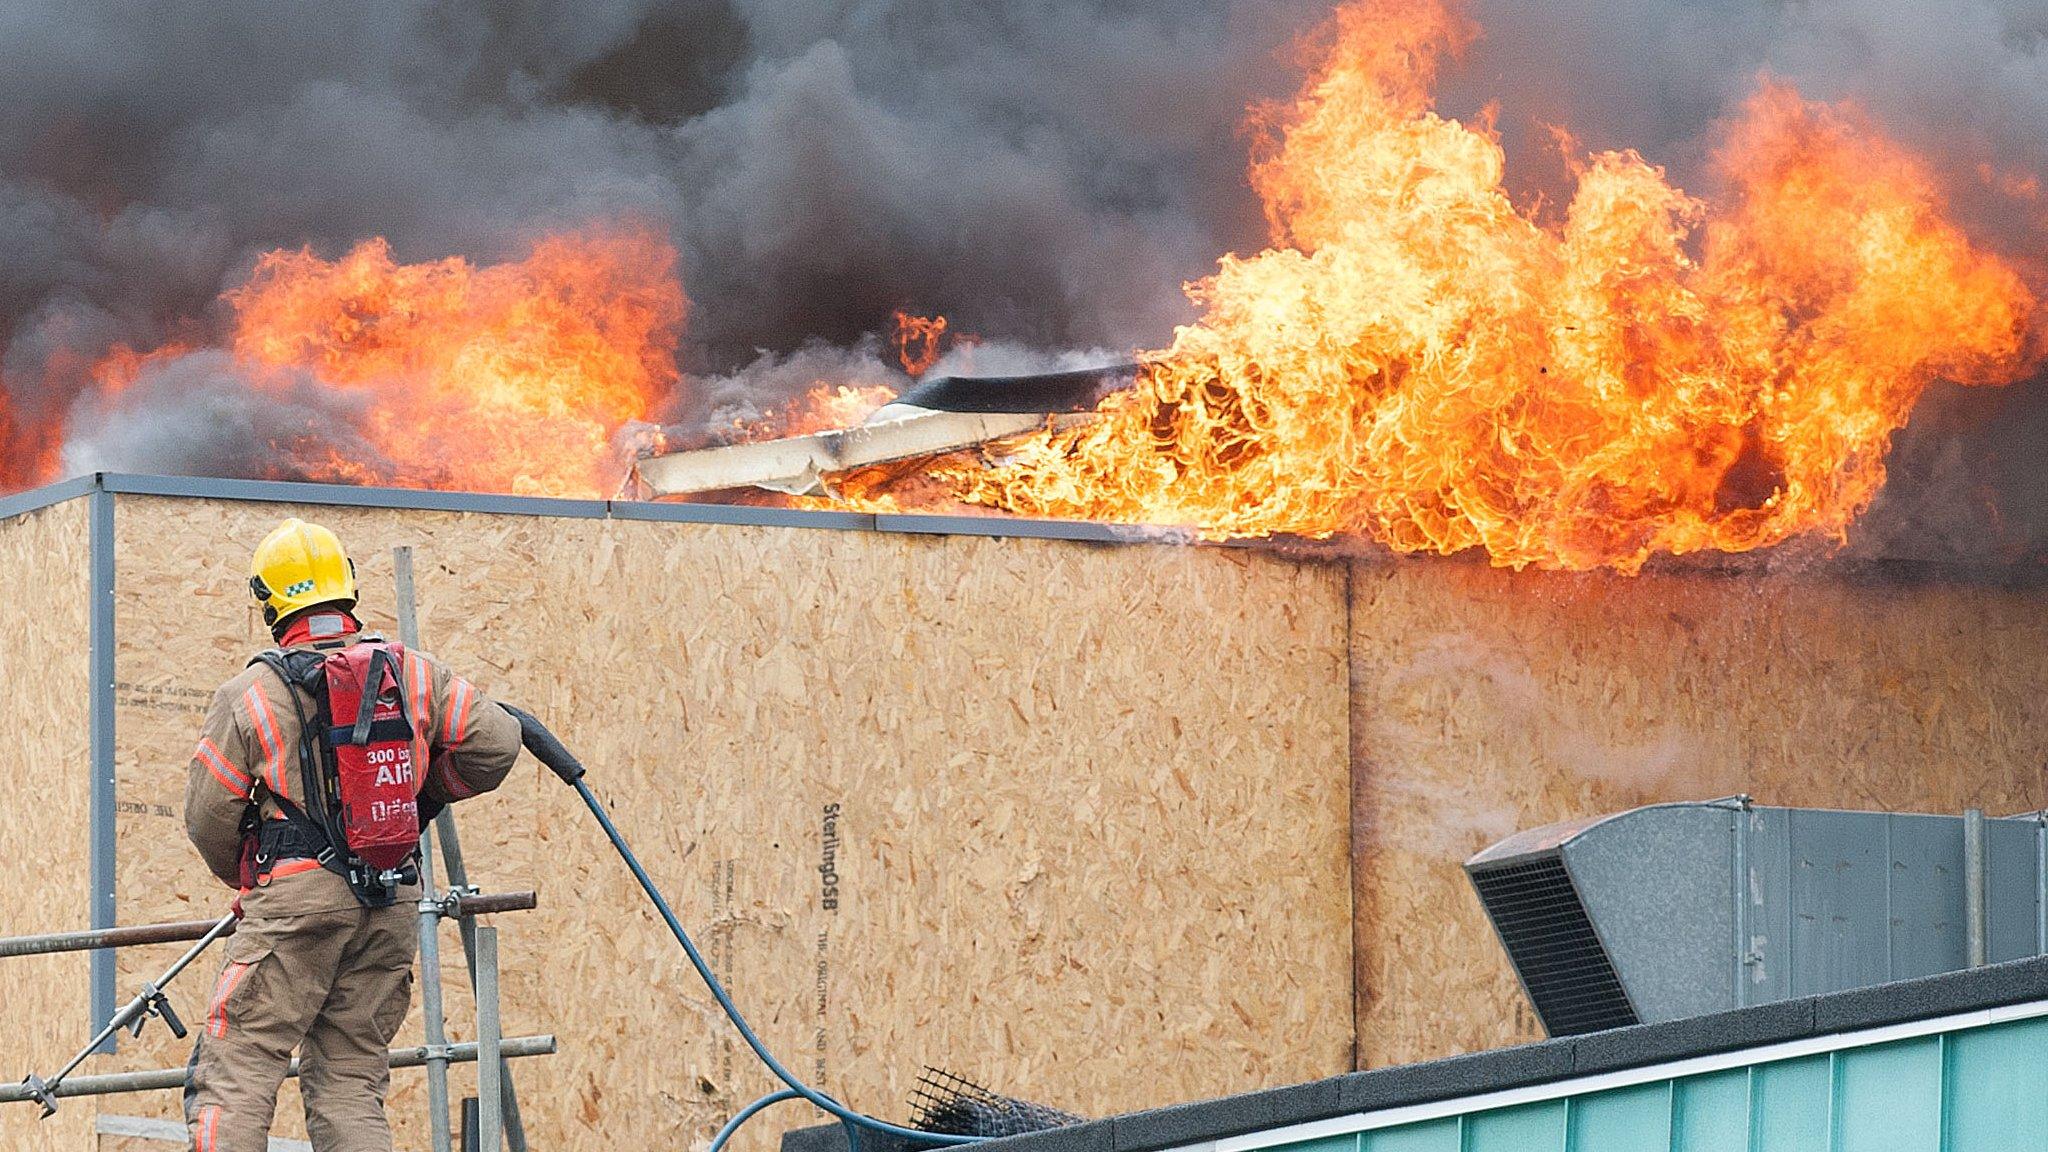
372, 737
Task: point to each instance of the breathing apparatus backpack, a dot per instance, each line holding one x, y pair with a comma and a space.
358, 809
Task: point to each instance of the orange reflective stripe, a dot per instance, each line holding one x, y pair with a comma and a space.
292, 868
206, 1132
217, 1014
422, 683
265, 723
237, 789
451, 783
230, 777
460, 697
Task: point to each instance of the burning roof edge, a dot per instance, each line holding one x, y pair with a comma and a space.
995, 525
1564, 1066
938, 415
428, 500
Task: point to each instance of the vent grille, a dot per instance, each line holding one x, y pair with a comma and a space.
1552, 943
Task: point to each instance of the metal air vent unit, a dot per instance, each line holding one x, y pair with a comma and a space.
1678, 910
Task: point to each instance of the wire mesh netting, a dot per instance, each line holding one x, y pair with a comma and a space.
959, 1107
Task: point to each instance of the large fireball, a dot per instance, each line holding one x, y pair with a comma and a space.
1418, 360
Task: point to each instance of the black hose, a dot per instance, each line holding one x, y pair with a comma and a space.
551, 752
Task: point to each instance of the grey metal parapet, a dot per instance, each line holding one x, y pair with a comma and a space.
672, 512
101, 799
36, 499
1083, 530
2027, 574
678, 512
348, 495
666, 512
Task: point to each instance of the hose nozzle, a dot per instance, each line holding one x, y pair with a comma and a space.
545, 747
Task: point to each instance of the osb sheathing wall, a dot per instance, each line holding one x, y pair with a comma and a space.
45, 594
1486, 702
1089, 804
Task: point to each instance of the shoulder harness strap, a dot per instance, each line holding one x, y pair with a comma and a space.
317, 810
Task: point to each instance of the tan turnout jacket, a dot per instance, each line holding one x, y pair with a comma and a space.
249, 754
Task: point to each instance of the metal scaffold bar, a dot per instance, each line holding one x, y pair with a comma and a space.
461, 904
458, 877
443, 828
161, 1078
431, 1018
176, 932
490, 1112
430, 1002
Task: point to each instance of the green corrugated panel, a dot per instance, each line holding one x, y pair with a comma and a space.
1998, 1088
1888, 1097
1711, 1112
1789, 1105
1434, 1136
1623, 1120
1529, 1128
1974, 1090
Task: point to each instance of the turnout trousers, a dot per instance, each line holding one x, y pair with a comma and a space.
332, 985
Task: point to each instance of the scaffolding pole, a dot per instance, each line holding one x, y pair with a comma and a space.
435, 1026
432, 1021
407, 601
490, 1115
458, 904
458, 877
162, 1078
175, 932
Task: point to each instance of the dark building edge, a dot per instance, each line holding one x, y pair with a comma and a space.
1525, 1066
100, 820
1863, 571
35, 499
347, 495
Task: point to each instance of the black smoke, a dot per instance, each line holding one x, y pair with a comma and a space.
1046, 172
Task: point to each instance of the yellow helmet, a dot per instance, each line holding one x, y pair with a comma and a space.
298, 566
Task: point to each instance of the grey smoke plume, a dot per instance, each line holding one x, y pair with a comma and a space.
191, 416
1045, 172
1964, 82
748, 396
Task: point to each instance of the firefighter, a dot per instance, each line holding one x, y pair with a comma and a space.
321, 962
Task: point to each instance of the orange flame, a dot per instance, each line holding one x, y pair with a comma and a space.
918, 341
835, 406
119, 367
824, 407
25, 456
510, 377
32, 433
1416, 359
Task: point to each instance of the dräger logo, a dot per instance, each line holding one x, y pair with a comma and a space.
828, 866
